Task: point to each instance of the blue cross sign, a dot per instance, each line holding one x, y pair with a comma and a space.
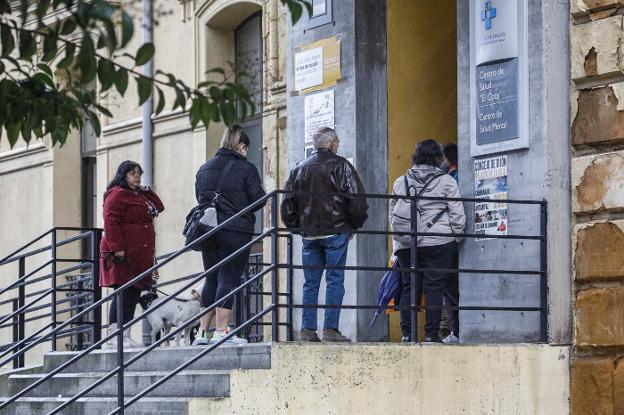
488, 14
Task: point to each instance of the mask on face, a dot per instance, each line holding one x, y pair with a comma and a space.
445, 167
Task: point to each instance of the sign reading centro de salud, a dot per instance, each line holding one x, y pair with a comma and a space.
497, 102
498, 76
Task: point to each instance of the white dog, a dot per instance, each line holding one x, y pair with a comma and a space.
174, 313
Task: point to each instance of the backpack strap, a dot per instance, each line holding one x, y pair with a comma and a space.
224, 174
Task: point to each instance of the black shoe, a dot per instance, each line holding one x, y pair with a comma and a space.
308, 335
433, 339
406, 339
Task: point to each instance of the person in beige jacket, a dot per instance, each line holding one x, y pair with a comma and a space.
425, 178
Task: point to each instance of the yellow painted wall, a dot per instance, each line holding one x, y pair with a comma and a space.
422, 78
422, 83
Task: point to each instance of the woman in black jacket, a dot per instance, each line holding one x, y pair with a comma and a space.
240, 186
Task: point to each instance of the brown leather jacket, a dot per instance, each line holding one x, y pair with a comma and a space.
317, 215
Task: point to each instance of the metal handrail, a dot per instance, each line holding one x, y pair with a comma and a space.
10, 258
259, 203
274, 307
154, 345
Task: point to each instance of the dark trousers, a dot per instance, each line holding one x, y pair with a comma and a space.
433, 283
228, 277
130, 301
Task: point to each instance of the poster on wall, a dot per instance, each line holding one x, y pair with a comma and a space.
491, 218
308, 68
319, 112
310, 76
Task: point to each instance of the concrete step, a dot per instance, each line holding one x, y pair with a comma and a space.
225, 357
200, 383
98, 406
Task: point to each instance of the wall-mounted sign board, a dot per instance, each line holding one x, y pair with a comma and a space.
499, 76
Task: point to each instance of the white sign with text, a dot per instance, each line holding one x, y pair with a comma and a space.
308, 68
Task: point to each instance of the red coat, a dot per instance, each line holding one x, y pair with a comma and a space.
129, 227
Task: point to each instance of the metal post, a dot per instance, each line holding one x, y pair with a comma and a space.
16, 360
95, 285
274, 273
544, 270
53, 294
414, 272
21, 302
289, 285
120, 360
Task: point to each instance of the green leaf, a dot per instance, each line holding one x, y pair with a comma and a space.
228, 112
86, 60
45, 69
49, 47
42, 8
27, 44
127, 28
70, 49
205, 111
216, 93
95, 123
8, 42
121, 81
104, 111
295, 11
26, 132
68, 26
13, 131
44, 79
144, 54
106, 74
180, 100
144, 87
195, 113
1, 67
161, 101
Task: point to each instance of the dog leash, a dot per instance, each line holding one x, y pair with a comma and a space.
184, 300
110, 257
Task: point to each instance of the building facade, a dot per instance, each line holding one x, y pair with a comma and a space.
530, 92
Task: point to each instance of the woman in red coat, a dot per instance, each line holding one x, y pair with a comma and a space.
128, 246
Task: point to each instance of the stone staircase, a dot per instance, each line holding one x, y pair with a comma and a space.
207, 378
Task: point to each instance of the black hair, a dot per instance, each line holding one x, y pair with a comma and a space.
450, 152
124, 168
428, 152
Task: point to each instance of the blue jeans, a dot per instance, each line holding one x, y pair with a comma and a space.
331, 252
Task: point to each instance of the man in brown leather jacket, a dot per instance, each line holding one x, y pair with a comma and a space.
322, 210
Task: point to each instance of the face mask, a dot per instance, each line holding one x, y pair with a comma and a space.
445, 167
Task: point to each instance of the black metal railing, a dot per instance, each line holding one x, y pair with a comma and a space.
34, 296
250, 286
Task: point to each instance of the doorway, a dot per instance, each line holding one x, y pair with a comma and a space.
422, 85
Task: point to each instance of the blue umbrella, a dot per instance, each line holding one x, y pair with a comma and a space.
389, 288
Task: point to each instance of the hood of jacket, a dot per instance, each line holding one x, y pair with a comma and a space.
422, 173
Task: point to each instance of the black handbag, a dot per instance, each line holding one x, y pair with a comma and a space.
194, 228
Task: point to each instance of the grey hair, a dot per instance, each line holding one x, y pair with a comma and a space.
324, 136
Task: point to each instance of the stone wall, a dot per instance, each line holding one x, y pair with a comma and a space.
597, 138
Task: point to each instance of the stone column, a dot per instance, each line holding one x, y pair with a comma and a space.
361, 123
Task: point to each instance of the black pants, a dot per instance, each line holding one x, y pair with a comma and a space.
130, 301
434, 284
228, 277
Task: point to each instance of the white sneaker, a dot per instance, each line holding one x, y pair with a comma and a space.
216, 337
451, 339
201, 339
112, 342
130, 343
